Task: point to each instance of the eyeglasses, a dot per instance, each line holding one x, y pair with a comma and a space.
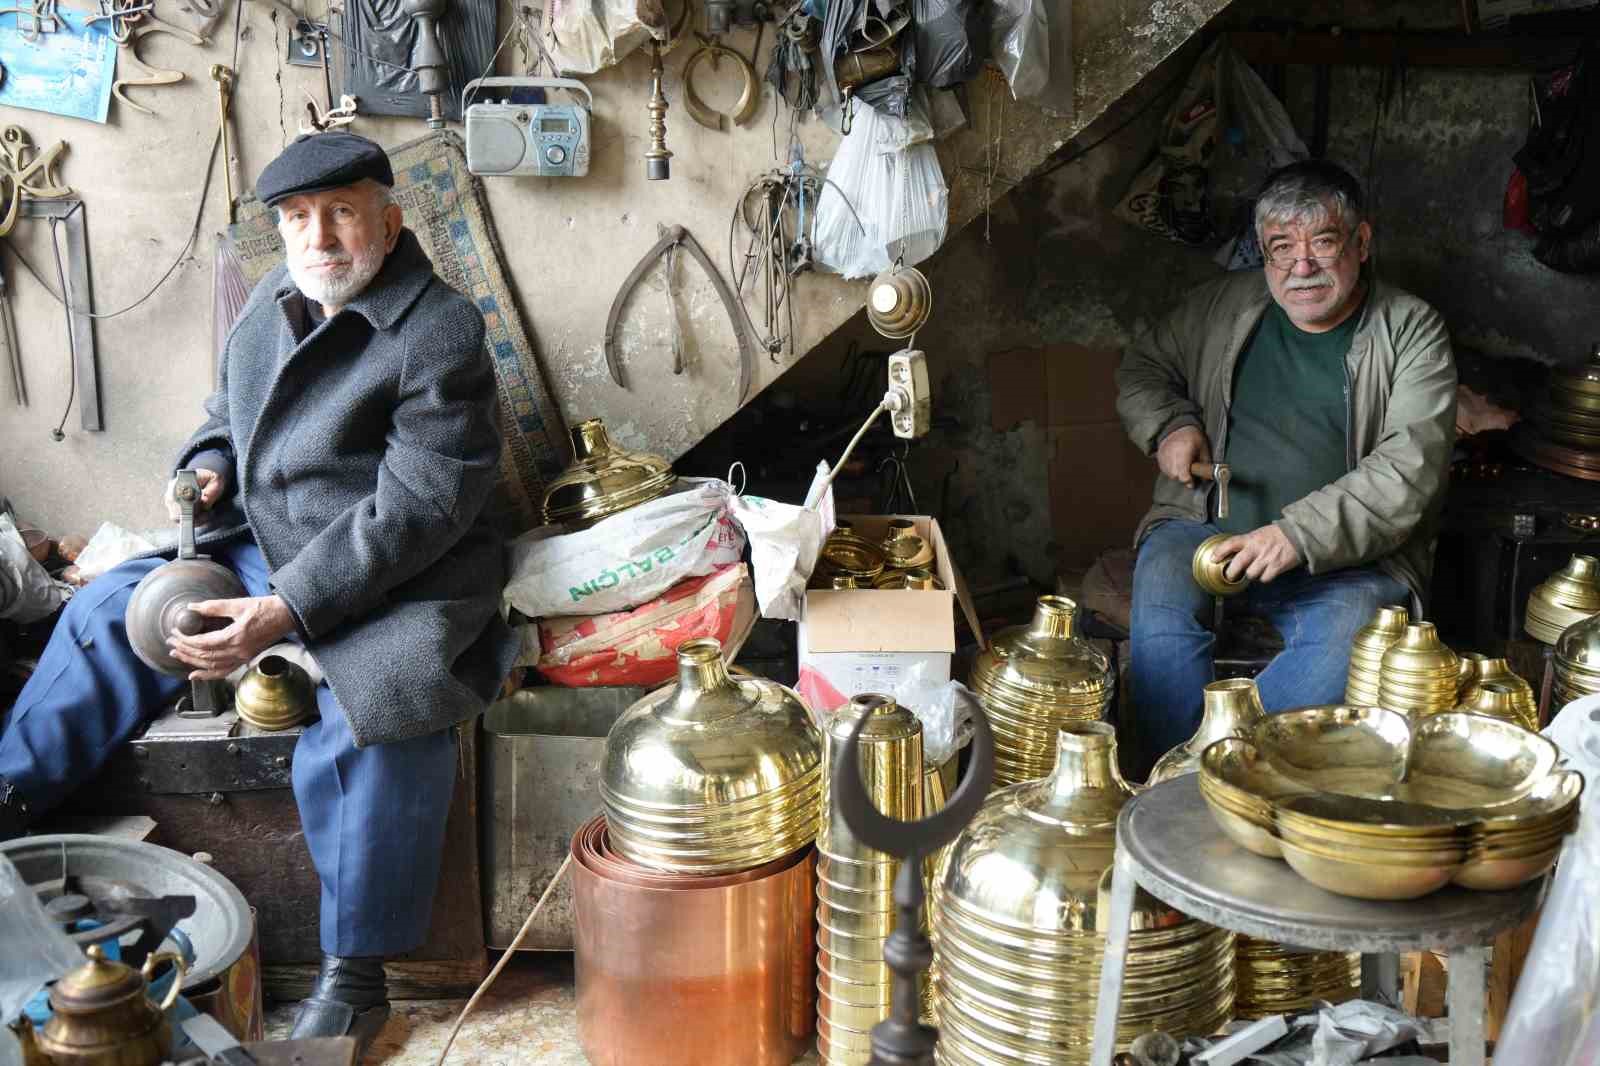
1326, 250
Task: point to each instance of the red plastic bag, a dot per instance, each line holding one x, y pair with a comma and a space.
640, 647
1515, 213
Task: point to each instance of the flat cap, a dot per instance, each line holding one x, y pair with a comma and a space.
318, 161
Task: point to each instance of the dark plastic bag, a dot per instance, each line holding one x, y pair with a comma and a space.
944, 34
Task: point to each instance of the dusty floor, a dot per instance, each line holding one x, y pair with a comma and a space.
526, 1019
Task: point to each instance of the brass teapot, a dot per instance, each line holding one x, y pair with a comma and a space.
100, 1015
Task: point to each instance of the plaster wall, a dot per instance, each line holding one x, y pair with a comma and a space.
567, 242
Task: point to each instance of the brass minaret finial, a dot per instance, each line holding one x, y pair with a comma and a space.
657, 161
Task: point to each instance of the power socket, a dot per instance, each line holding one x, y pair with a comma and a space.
909, 399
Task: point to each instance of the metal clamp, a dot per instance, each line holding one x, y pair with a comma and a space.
709, 117
186, 490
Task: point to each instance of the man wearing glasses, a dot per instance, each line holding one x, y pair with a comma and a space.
1331, 396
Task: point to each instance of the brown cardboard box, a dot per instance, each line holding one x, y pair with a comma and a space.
1100, 484
866, 640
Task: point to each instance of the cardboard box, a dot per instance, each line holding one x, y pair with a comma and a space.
1100, 484
867, 640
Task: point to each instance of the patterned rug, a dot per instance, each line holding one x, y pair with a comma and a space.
446, 208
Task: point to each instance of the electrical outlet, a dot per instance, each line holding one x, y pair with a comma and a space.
909, 398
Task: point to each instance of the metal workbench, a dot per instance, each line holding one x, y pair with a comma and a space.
1169, 845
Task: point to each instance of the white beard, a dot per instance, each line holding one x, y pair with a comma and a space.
338, 287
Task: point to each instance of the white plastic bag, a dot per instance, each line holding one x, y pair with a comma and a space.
1034, 52
785, 542
945, 709
629, 558
27, 593
900, 199
110, 545
583, 36
1554, 1017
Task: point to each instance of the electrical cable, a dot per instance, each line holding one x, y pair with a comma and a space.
845, 456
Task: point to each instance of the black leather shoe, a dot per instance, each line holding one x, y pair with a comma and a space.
350, 998
14, 816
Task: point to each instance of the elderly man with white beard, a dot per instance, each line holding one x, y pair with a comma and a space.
345, 462
1331, 396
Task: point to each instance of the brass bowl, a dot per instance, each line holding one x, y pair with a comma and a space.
1351, 877
1554, 800
1239, 787
1210, 574
1497, 875
1352, 750
846, 553
918, 578
1467, 761
1408, 851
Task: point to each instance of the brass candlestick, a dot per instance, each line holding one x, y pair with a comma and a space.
657, 161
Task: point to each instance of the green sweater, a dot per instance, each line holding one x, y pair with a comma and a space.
1287, 418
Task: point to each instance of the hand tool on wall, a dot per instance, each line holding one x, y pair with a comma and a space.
658, 159
749, 99
1219, 473
223, 76
8, 334
428, 59
673, 237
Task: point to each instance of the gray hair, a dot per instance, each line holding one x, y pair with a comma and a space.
1309, 191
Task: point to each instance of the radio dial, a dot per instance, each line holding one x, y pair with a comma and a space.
556, 155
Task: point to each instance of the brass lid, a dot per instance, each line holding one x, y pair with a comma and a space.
1232, 709
850, 555
712, 773
1579, 644
603, 479
1037, 666
96, 985
1569, 596
1212, 575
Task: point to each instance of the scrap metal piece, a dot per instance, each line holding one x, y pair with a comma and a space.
26, 171
79, 299
709, 117
152, 75
676, 235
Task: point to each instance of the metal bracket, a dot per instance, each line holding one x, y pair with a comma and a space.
79, 298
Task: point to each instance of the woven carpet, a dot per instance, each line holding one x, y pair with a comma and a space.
446, 208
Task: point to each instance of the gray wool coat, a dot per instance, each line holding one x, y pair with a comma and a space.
360, 456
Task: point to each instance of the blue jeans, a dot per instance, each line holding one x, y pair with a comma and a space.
1172, 641
373, 817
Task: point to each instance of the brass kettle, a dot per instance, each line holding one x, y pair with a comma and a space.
160, 604
100, 1015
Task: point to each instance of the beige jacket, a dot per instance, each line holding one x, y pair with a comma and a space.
1400, 404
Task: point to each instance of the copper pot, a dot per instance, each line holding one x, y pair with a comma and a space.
691, 970
100, 1015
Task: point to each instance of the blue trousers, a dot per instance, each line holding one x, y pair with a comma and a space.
373, 817
1172, 640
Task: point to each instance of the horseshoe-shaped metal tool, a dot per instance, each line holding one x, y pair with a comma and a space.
900, 1039
672, 238
713, 49
153, 75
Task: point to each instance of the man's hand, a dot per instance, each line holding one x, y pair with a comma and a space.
211, 486
1180, 450
258, 623
1261, 555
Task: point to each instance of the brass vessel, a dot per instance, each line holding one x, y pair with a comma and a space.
1017, 925
1418, 676
1568, 597
713, 773
1210, 574
1467, 674
1571, 412
100, 1015
275, 694
1499, 693
1034, 679
846, 555
903, 548
1577, 663
1274, 979
907, 579
603, 479
855, 884
1232, 709
1366, 654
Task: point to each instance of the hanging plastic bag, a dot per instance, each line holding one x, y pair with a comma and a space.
1034, 52
1255, 137
879, 206
943, 35
27, 593
583, 36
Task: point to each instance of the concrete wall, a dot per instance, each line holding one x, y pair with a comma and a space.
1062, 275
568, 243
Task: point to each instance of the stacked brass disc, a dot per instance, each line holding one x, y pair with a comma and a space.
1568, 597
848, 561
1015, 926
1419, 674
1273, 979
603, 479
1367, 803
1210, 573
855, 884
918, 578
1232, 709
1366, 654
904, 548
1577, 663
1497, 692
1033, 680
712, 774
903, 559
1571, 414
